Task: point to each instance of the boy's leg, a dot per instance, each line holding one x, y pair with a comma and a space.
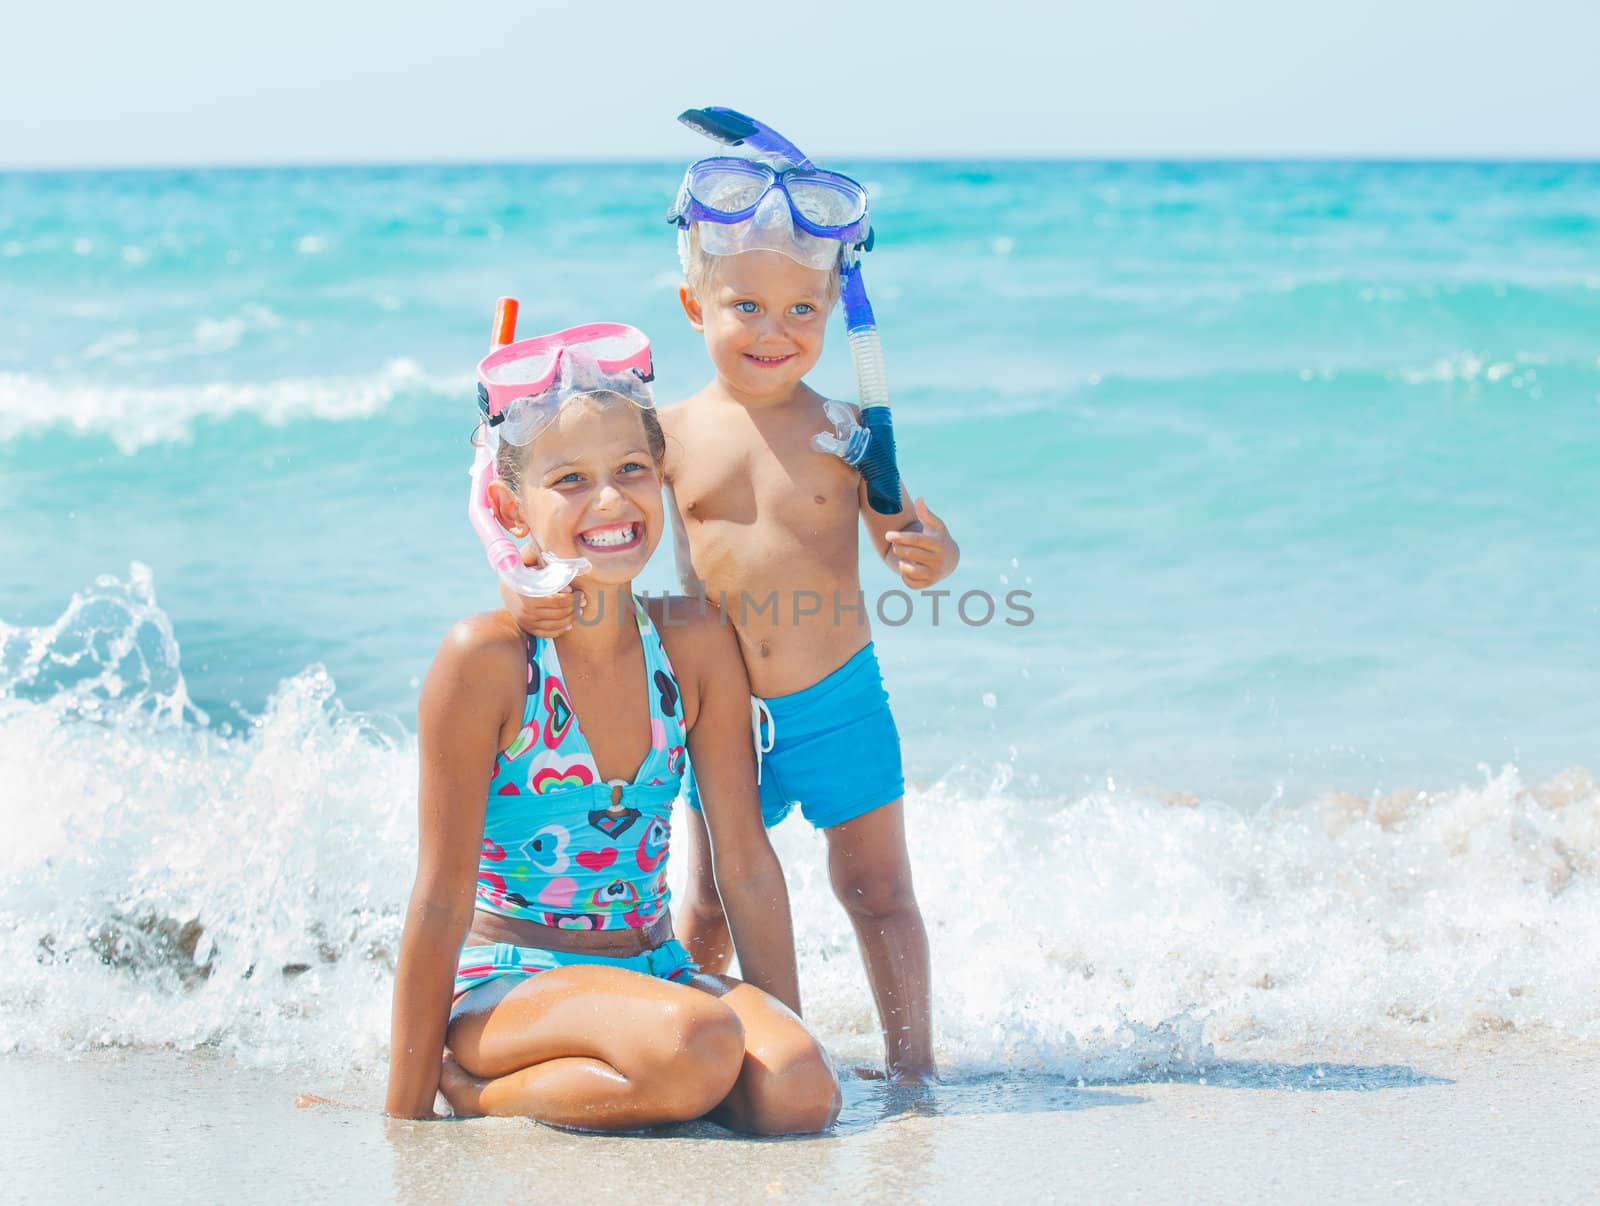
871, 874
699, 921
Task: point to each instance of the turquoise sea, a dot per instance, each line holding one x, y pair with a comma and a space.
1298, 462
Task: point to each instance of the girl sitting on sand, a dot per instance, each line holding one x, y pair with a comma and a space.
548, 771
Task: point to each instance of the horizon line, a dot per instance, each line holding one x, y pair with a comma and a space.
1218, 158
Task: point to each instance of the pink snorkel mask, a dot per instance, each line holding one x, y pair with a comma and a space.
521, 388
522, 385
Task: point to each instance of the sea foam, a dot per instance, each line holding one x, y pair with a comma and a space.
134, 417
164, 883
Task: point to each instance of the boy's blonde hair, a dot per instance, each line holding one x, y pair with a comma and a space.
700, 266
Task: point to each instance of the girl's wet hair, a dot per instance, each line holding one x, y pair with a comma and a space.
509, 458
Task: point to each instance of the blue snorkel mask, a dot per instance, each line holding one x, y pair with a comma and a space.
782, 202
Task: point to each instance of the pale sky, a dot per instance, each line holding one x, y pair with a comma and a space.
180, 82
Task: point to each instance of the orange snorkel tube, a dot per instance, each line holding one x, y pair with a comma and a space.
505, 323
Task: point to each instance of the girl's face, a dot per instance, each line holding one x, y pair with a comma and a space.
763, 316
590, 488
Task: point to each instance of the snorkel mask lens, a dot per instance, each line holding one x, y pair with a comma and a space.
522, 385
725, 189
770, 229
829, 201
728, 186
742, 205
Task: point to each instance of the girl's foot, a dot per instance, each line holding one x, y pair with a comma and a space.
460, 1088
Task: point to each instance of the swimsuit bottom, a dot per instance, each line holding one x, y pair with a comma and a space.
481, 964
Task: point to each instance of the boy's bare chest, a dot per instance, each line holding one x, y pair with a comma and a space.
766, 482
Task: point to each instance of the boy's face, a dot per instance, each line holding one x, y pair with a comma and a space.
763, 316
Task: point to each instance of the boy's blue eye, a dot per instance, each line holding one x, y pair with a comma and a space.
746, 307
804, 308
574, 476
633, 467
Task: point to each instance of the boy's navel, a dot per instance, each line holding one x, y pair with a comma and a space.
819, 498
765, 649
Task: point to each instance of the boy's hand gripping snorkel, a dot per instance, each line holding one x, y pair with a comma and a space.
868, 445
531, 581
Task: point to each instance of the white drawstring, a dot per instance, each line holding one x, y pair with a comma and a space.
758, 712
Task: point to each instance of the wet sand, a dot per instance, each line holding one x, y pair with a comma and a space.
1515, 1122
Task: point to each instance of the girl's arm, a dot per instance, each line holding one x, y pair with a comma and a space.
459, 720
749, 879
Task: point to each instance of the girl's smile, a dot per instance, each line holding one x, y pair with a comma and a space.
612, 538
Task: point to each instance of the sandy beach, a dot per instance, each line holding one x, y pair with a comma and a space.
1514, 1122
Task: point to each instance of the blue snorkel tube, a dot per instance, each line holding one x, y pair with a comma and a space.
875, 457
870, 447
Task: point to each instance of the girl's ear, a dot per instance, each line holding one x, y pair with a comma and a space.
507, 509
691, 307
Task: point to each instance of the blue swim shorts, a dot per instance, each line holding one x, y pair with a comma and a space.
833, 748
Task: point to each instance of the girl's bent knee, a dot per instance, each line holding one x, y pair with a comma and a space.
711, 1032
800, 1099
696, 1058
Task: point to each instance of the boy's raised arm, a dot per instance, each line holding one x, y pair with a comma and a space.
545, 615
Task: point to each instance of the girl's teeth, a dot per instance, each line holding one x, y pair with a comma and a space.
611, 539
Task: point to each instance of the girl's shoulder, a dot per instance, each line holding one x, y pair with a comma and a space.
486, 636
475, 690
480, 651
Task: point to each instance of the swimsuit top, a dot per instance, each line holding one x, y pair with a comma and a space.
557, 848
